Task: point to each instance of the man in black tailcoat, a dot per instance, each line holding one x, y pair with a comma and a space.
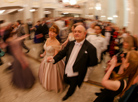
80, 54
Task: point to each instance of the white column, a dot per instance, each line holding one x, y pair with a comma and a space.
55, 13
41, 10
27, 13
98, 8
112, 9
104, 10
120, 13
85, 9
126, 9
133, 14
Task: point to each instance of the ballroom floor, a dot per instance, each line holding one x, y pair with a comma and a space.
9, 93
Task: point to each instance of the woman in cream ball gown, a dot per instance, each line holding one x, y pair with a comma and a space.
51, 75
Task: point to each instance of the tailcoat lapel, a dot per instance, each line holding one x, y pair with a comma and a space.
81, 52
70, 50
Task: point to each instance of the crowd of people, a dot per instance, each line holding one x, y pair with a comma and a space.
72, 48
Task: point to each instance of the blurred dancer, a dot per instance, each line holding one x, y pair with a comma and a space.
44, 32
29, 26
37, 29
22, 74
21, 32
91, 30
6, 35
1, 54
70, 36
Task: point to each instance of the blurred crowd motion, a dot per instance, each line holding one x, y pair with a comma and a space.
56, 34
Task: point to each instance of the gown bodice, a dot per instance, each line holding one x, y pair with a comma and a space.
50, 51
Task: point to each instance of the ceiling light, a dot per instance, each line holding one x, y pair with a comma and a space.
98, 6
11, 10
115, 16
72, 2
32, 10
47, 12
103, 16
110, 18
1, 11
65, 13
20, 10
65, 1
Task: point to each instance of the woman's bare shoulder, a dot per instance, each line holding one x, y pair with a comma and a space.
57, 43
47, 39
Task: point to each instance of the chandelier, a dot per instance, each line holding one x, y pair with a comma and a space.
71, 2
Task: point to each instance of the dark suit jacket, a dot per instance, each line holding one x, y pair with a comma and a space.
87, 56
29, 26
6, 35
44, 29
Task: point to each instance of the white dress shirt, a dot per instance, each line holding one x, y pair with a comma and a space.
72, 59
99, 42
107, 37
